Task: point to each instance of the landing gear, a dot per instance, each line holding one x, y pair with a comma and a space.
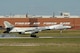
33, 35
61, 31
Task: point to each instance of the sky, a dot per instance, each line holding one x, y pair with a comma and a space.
39, 7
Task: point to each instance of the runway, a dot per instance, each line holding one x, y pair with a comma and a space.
33, 37
12, 36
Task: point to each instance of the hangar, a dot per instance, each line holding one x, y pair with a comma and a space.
32, 21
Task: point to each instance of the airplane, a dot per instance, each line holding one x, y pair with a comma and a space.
32, 30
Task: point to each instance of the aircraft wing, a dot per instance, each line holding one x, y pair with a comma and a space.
36, 30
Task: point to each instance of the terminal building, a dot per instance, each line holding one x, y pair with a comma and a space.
38, 20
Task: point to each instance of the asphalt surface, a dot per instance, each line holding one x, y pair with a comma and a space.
6, 36
34, 37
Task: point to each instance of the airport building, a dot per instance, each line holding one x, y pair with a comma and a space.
37, 20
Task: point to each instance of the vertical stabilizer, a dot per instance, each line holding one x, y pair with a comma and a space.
8, 25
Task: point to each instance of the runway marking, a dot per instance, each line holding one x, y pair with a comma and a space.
39, 44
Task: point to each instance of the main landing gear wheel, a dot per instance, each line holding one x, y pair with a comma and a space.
33, 35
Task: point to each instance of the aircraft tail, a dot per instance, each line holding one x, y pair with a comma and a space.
8, 25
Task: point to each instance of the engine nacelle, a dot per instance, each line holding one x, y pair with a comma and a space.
21, 33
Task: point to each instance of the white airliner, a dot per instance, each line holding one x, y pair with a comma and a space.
32, 30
